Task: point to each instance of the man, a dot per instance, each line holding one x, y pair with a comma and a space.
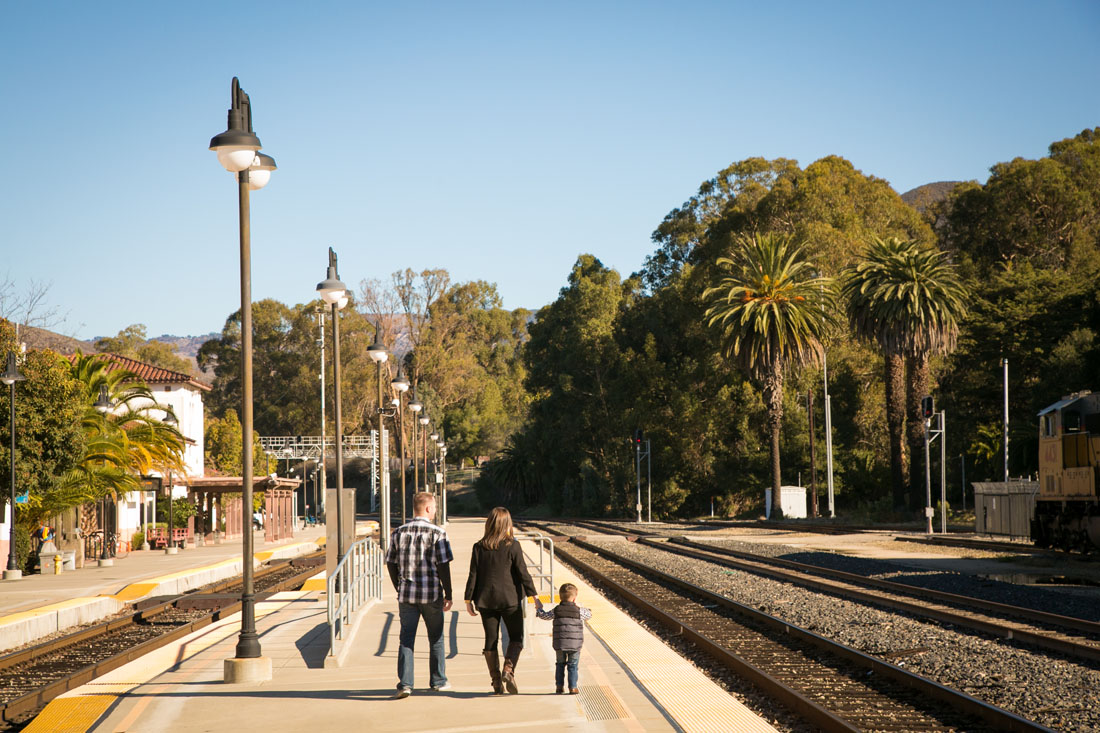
418, 559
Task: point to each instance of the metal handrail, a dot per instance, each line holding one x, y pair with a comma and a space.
356, 581
545, 570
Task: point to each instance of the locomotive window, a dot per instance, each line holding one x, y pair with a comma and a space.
1048, 426
1071, 420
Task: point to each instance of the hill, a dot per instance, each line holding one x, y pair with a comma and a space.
921, 197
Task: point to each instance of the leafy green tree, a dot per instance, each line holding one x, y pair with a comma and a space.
769, 309
222, 452
1045, 212
48, 438
571, 361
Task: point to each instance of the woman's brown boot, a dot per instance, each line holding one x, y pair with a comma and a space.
508, 673
492, 660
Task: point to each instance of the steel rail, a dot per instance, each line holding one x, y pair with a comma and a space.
1069, 622
13, 710
1011, 632
1001, 719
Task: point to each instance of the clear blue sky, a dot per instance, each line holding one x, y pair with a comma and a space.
496, 140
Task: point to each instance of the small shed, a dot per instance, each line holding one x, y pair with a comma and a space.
221, 496
1005, 508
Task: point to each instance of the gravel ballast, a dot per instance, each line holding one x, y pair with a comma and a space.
1058, 693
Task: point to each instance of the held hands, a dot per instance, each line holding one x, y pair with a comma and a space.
538, 603
470, 608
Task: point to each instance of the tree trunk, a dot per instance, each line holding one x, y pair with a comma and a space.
917, 388
773, 400
895, 421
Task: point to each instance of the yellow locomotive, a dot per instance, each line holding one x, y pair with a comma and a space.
1067, 510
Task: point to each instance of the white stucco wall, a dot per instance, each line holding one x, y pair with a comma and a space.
187, 404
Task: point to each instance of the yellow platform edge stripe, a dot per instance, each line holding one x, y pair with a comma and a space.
134, 591
77, 711
71, 714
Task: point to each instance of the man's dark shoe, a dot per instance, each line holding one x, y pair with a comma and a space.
559, 691
402, 693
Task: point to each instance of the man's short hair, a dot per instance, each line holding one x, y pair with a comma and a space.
421, 500
567, 592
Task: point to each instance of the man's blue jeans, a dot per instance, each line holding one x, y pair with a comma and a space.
570, 660
410, 614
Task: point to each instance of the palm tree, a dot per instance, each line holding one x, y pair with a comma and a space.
907, 297
772, 308
864, 290
124, 443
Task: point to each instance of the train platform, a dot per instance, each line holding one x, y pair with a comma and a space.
629, 679
36, 606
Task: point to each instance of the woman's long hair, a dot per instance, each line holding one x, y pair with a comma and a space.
498, 529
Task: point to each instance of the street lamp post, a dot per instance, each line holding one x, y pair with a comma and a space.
170, 548
10, 376
238, 152
377, 353
400, 384
335, 293
324, 448
442, 467
103, 405
424, 420
415, 407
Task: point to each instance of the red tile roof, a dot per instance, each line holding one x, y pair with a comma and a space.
151, 375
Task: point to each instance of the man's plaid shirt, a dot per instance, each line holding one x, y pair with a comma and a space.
418, 547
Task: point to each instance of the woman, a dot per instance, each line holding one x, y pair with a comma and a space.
498, 575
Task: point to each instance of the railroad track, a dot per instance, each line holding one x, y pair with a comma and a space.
31, 677
1073, 637
831, 686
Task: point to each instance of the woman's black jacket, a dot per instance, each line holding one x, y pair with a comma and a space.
498, 577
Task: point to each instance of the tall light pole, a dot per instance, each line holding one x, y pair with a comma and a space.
324, 448
400, 384
415, 407
378, 354
434, 437
103, 405
1004, 363
424, 420
170, 548
441, 467
10, 376
238, 152
335, 293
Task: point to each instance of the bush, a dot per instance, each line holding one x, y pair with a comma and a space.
23, 557
137, 539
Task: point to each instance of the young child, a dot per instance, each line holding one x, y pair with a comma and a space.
568, 620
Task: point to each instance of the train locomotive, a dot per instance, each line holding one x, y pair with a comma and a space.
1067, 508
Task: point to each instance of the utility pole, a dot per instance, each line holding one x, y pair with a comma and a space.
813, 455
321, 340
638, 470
1004, 363
649, 482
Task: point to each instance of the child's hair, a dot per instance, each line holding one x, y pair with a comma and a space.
567, 592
